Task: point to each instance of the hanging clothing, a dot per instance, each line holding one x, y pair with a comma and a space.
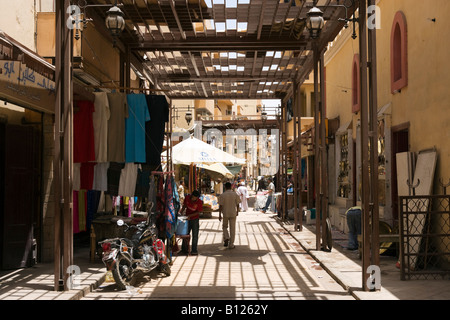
87, 175
100, 182
152, 193
100, 120
160, 201
128, 176
170, 215
118, 107
92, 201
82, 208
135, 128
113, 177
83, 132
76, 177
143, 181
76, 228
159, 114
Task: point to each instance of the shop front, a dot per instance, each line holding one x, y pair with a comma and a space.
27, 98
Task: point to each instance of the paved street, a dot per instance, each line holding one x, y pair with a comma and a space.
267, 263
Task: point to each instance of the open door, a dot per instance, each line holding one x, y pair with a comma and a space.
400, 144
19, 179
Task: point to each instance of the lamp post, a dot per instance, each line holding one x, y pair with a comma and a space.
114, 21
315, 22
188, 116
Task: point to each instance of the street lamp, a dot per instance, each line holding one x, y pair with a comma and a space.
264, 114
188, 116
114, 21
315, 22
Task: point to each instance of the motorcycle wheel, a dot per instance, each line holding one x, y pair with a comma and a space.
122, 273
165, 268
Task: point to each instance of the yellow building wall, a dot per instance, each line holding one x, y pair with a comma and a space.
424, 102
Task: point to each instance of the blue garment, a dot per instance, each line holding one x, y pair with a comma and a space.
135, 128
354, 226
194, 226
268, 203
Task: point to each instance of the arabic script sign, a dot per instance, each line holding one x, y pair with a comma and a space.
22, 85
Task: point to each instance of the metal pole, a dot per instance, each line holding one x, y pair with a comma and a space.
63, 249
365, 199
298, 141
294, 155
285, 161
373, 113
317, 184
323, 148
59, 25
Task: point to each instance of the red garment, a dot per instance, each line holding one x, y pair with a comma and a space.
87, 175
83, 132
192, 207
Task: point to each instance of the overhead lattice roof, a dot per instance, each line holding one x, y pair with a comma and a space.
224, 49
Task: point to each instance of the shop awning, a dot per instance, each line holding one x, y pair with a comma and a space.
26, 79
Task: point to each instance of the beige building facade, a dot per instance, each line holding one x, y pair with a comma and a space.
413, 108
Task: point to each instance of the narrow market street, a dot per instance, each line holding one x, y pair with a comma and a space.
267, 263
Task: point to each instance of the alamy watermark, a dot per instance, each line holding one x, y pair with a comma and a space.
260, 147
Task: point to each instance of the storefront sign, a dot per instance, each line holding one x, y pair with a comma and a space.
25, 87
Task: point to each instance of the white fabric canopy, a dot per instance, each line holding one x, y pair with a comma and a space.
195, 151
217, 167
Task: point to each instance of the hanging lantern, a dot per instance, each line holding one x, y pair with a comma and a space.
264, 116
114, 21
188, 116
315, 22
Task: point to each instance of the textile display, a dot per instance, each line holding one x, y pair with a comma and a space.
83, 132
138, 115
169, 216
76, 176
159, 114
100, 182
118, 140
143, 181
76, 227
86, 175
113, 176
152, 193
118, 107
100, 119
127, 182
210, 201
160, 201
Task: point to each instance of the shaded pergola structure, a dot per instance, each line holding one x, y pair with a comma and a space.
228, 49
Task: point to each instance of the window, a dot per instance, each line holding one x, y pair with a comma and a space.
399, 53
356, 85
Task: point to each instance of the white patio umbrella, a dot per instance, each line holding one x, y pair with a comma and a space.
195, 151
218, 168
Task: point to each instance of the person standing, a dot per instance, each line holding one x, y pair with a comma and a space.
229, 207
181, 192
271, 191
192, 207
243, 194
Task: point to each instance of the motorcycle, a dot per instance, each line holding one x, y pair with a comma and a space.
126, 258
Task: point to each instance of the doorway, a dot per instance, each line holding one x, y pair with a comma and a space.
19, 192
400, 143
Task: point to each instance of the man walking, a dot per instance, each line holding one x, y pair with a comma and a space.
229, 206
271, 191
